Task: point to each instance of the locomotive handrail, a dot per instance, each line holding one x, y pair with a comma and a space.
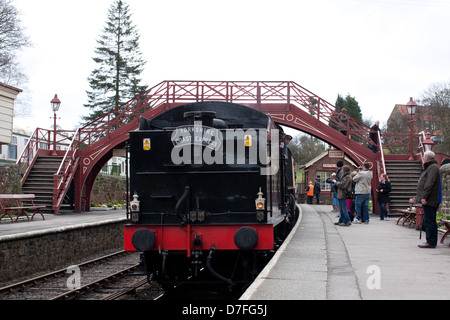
180, 202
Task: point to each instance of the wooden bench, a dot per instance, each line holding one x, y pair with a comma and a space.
22, 208
447, 226
411, 217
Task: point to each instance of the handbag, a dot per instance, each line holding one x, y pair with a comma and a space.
349, 194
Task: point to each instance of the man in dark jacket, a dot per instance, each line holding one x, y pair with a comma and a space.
427, 194
374, 136
317, 189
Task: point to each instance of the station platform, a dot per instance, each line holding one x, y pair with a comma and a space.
319, 260
56, 223
375, 261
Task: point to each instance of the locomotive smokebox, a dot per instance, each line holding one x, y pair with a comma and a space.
206, 117
246, 238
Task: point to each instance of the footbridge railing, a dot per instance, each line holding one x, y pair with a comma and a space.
267, 96
254, 93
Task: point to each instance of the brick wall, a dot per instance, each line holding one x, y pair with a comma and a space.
328, 165
445, 178
51, 251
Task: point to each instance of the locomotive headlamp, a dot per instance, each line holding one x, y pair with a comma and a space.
135, 208
260, 202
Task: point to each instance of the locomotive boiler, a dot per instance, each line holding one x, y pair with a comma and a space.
212, 188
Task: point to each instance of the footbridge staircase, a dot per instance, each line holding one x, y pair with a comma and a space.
81, 154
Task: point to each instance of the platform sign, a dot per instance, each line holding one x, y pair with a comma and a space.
146, 144
336, 154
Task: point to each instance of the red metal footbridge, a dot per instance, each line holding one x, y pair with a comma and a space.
89, 148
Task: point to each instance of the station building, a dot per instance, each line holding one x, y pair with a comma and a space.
321, 166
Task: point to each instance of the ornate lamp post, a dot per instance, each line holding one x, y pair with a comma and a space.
56, 103
428, 144
411, 107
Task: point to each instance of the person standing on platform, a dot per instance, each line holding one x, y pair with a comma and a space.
338, 177
351, 202
333, 192
310, 193
344, 185
427, 194
384, 187
363, 187
339, 165
317, 190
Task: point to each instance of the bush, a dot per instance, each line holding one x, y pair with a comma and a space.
439, 218
108, 190
10, 180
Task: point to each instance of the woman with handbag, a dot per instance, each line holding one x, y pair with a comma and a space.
344, 187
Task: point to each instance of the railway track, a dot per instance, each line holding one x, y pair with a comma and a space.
104, 278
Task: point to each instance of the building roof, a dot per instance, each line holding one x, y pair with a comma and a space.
21, 131
323, 155
312, 161
10, 87
402, 109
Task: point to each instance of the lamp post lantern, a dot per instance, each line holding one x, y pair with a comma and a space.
55, 103
411, 108
428, 144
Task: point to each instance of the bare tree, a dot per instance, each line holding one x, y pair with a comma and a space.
305, 148
12, 38
436, 117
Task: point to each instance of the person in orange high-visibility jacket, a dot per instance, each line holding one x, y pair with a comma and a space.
310, 193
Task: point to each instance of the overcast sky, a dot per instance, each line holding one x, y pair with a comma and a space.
380, 52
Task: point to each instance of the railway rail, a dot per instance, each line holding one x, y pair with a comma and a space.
104, 278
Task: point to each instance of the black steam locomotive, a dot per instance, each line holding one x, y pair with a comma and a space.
212, 186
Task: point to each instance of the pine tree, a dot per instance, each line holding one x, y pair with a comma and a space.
116, 80
351, 105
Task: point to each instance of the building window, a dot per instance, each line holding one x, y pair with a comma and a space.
324, 186
12, 149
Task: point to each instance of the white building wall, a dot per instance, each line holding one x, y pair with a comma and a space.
14, 149
7, 96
